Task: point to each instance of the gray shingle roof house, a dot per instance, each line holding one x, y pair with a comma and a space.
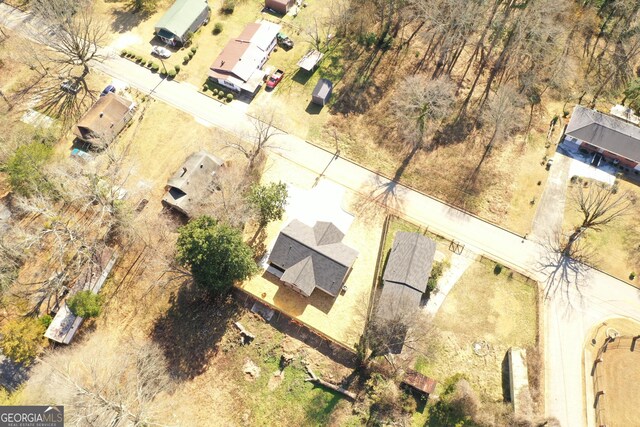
312, 257
406, 274
190, 182
611, 136
185, 16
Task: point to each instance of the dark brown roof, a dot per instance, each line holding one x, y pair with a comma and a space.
419, 382
105, 119
313, 257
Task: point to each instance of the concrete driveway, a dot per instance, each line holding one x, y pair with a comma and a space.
550, 212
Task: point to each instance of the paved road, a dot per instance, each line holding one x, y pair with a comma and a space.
568, 315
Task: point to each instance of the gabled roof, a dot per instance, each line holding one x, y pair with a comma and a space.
191, 181
396, 300
322, 89
179, 18
419, 382
313, 257
242, 56
104, 120
410, 260
606, 132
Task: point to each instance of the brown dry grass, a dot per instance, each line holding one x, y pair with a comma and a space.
486, 307
616, 248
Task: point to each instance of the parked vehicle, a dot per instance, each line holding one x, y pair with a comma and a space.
275, 79
284, 42
70, 86
110, 88
549, 163
160, 51
597, 158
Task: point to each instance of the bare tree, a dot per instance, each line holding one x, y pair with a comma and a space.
106, 382
420, 104
71, 36
259, 138
599, 205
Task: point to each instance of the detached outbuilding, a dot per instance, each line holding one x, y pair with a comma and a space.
280, 6
322, 92
184, 17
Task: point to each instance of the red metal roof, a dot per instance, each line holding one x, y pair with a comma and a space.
419, 382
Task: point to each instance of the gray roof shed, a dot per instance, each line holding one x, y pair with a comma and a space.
313, 257
322, 92
606, 132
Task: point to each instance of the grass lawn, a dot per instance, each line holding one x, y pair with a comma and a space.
615, 247
499, 311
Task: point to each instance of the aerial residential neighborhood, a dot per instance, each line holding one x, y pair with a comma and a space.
310, 213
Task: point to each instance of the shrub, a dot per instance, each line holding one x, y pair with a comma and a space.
221, 94
85, 304
632, 276
194, 49
228, 6
45, 320
214, 91
177, 68
497, 269
23, 339
217, 29
436, 273
186, 59
155, 67
190, 54
172, 73
205, 88
124, 52
229, 97
149, 63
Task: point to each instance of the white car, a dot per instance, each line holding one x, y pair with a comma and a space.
160, 51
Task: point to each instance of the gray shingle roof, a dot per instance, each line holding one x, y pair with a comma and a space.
313, 257
190, 182
410, 260
397, 299
606, 132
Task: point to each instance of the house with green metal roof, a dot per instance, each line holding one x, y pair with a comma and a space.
184, 17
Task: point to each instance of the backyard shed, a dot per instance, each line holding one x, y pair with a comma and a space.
419, 382
322, 92
280, 6
184, 17
310, 60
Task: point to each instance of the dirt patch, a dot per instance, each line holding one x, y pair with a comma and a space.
275, 380
251, 370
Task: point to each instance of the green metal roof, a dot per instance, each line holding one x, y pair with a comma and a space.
181, 15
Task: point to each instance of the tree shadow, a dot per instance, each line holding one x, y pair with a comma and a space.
190, 331
506, 379
127, 19
12, 375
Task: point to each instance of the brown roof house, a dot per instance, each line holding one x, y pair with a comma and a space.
105, 119
280, 6
239, 65
191, 182
312, 258
418, 382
